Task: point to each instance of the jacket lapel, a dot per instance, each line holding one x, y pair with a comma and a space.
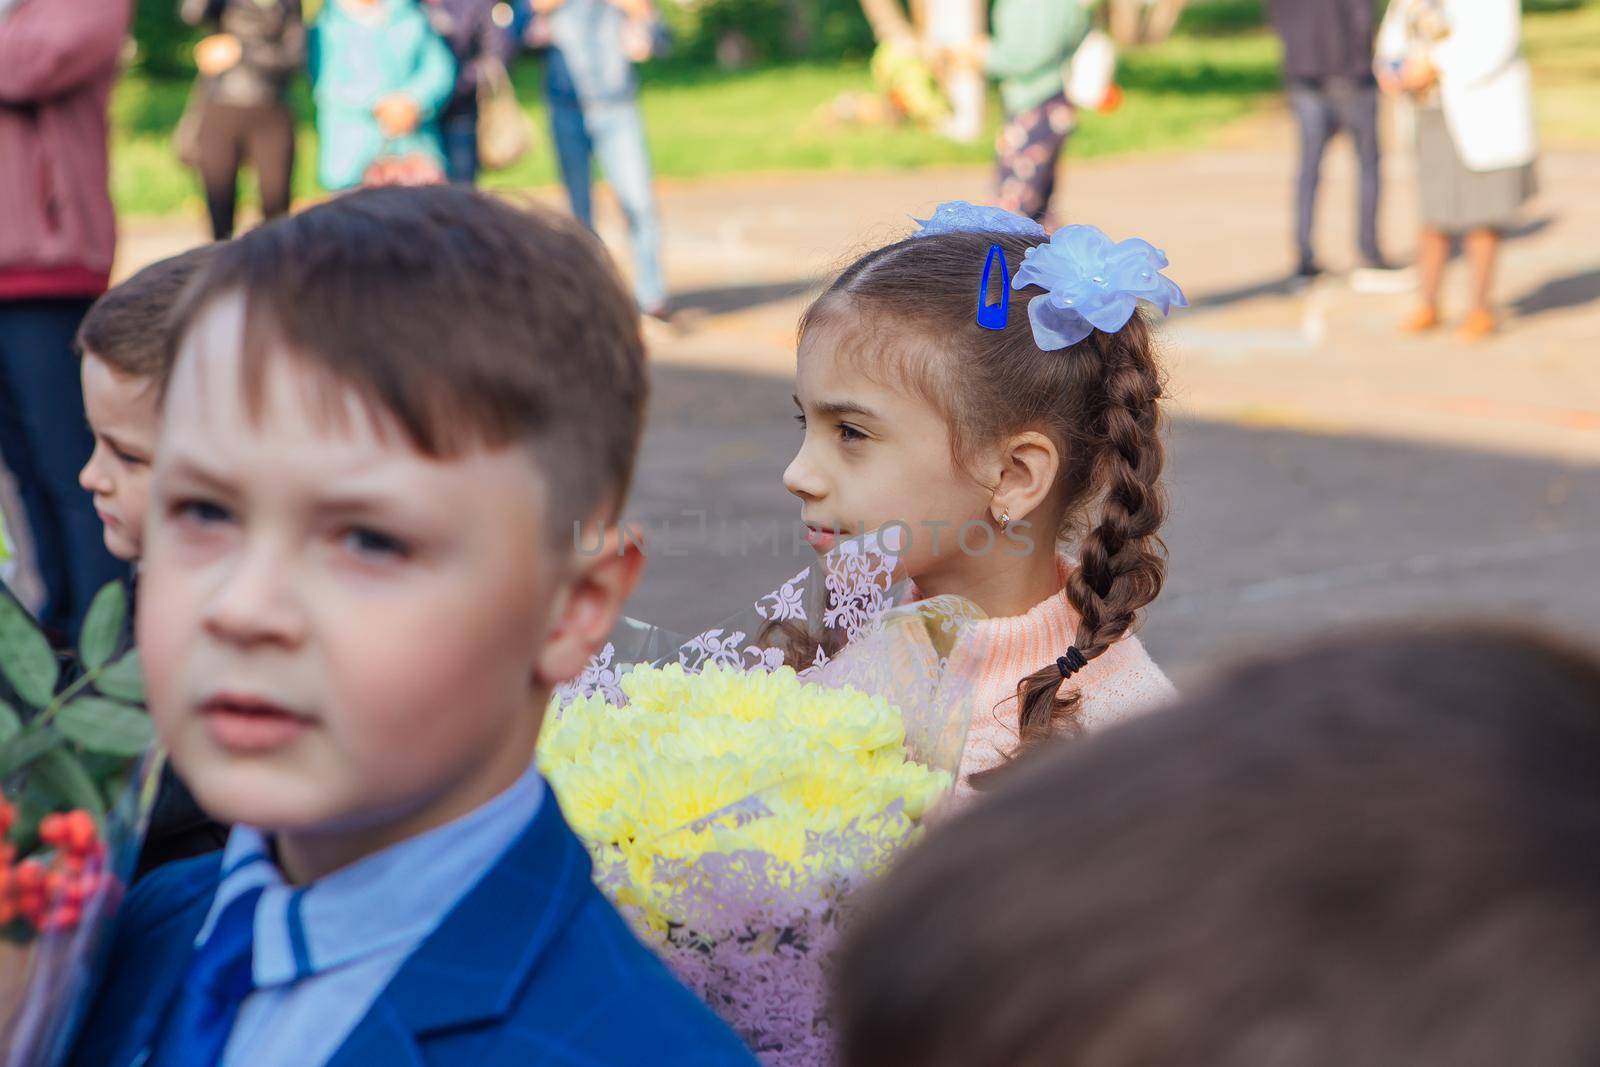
472, 969
131, 1008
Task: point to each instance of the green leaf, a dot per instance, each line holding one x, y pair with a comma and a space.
100, 725
102, 626
66, 779
25, 656
26, 747
123, 680
36, 802
10, 722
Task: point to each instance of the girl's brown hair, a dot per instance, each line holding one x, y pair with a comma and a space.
913, 306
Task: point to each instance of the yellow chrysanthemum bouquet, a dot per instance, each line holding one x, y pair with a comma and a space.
736, 790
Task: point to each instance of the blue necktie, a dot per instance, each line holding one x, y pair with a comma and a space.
218, 980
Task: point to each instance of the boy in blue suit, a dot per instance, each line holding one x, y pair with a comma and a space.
383, 419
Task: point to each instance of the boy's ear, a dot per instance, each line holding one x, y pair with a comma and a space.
590, 606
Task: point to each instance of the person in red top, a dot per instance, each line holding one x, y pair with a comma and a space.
58, 62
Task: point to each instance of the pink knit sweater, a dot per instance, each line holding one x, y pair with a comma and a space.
1117, 684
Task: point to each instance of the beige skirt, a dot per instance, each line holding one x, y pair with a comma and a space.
1456, 199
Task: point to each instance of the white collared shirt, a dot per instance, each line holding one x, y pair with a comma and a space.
323, 952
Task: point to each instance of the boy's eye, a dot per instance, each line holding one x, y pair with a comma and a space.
128, 458
801, 419
364, 541
848, 433
200, 512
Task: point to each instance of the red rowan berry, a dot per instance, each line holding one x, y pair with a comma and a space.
82, 836
53, 829
32, 905
30, 875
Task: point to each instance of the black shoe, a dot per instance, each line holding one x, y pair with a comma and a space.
1308, 269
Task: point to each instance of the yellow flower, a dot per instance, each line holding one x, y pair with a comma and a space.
731, 762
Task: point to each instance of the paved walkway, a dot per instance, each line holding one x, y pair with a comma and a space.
1253, 350
1326, 472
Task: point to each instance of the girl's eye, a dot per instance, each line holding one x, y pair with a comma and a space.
801, 419
200, 512
364, 541
848, 433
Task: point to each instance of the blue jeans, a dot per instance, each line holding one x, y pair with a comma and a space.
614, 132
460, 131
45, 441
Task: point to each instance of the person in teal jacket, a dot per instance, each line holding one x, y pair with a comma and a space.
1032, 41
379, 76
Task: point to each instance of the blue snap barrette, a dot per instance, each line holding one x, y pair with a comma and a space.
995, 316
1090, 282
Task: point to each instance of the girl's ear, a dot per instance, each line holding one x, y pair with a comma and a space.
588, 609
1029, 463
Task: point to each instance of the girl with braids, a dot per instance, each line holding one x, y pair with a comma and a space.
1010, 428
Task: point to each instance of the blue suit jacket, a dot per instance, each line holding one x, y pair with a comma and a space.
531, 967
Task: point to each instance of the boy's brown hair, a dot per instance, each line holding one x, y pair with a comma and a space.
470, 321
1380, 850
127, 327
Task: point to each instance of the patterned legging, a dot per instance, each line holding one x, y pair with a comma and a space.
1026, 153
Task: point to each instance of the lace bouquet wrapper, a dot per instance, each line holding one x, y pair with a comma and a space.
737, 788
77, 783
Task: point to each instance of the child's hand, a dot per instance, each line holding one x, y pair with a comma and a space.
538, 34
636, 39
217, 53
397, 115
1418, 75
969, 55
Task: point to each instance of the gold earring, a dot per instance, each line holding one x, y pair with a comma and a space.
1005, 520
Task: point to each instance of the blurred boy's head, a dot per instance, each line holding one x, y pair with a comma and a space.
123, 343
360, 581
1382, 850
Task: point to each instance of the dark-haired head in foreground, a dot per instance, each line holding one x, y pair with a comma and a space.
1380, 850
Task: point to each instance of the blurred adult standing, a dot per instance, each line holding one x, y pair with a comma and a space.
245, 64
476, 31
593, 91
1327, 68
1459, 62
1032, 42
380, 76
58, 62
951, 23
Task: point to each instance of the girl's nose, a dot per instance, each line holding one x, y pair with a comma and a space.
801, 478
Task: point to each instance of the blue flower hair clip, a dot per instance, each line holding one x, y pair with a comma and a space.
1091, 284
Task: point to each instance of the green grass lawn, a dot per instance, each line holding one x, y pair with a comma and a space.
1563, 44
1218, 69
